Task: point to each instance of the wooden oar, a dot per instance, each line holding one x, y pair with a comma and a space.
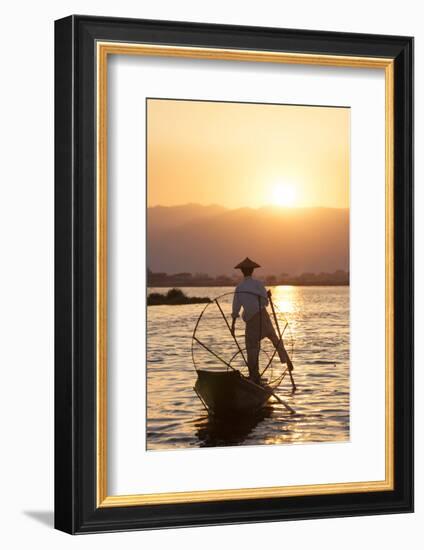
273, 395
292, 411
281, 339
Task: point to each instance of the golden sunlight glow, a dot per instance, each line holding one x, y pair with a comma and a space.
285, 298
283, 195
211, 152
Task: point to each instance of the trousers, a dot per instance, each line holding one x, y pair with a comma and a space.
258, 327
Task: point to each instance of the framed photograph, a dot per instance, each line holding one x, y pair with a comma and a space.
234, 274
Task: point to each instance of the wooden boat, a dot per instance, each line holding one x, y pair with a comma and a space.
226, 393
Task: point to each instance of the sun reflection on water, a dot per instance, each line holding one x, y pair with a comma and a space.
285, 298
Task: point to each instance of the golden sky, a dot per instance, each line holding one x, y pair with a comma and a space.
240, 154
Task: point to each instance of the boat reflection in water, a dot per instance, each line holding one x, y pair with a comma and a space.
234, 430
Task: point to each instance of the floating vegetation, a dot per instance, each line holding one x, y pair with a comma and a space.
174, 297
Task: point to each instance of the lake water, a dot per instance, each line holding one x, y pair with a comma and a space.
316, 337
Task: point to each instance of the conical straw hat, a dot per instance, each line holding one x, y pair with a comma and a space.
247, 263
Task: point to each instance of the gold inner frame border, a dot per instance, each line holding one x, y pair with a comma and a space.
103, 50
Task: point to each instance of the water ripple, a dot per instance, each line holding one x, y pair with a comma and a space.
319, 326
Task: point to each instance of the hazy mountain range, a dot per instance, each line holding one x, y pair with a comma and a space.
212, 239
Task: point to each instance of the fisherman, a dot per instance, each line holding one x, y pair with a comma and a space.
252, 295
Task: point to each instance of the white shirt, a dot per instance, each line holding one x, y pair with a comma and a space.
249, 294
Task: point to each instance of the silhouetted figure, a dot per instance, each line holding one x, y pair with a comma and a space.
252, 295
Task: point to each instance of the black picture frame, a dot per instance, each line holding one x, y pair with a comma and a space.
76, 508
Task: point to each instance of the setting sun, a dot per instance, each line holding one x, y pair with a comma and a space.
283, 195
210, 152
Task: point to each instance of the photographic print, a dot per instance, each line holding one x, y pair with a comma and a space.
247, 274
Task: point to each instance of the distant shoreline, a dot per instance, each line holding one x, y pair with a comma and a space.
204, 285
175, 297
